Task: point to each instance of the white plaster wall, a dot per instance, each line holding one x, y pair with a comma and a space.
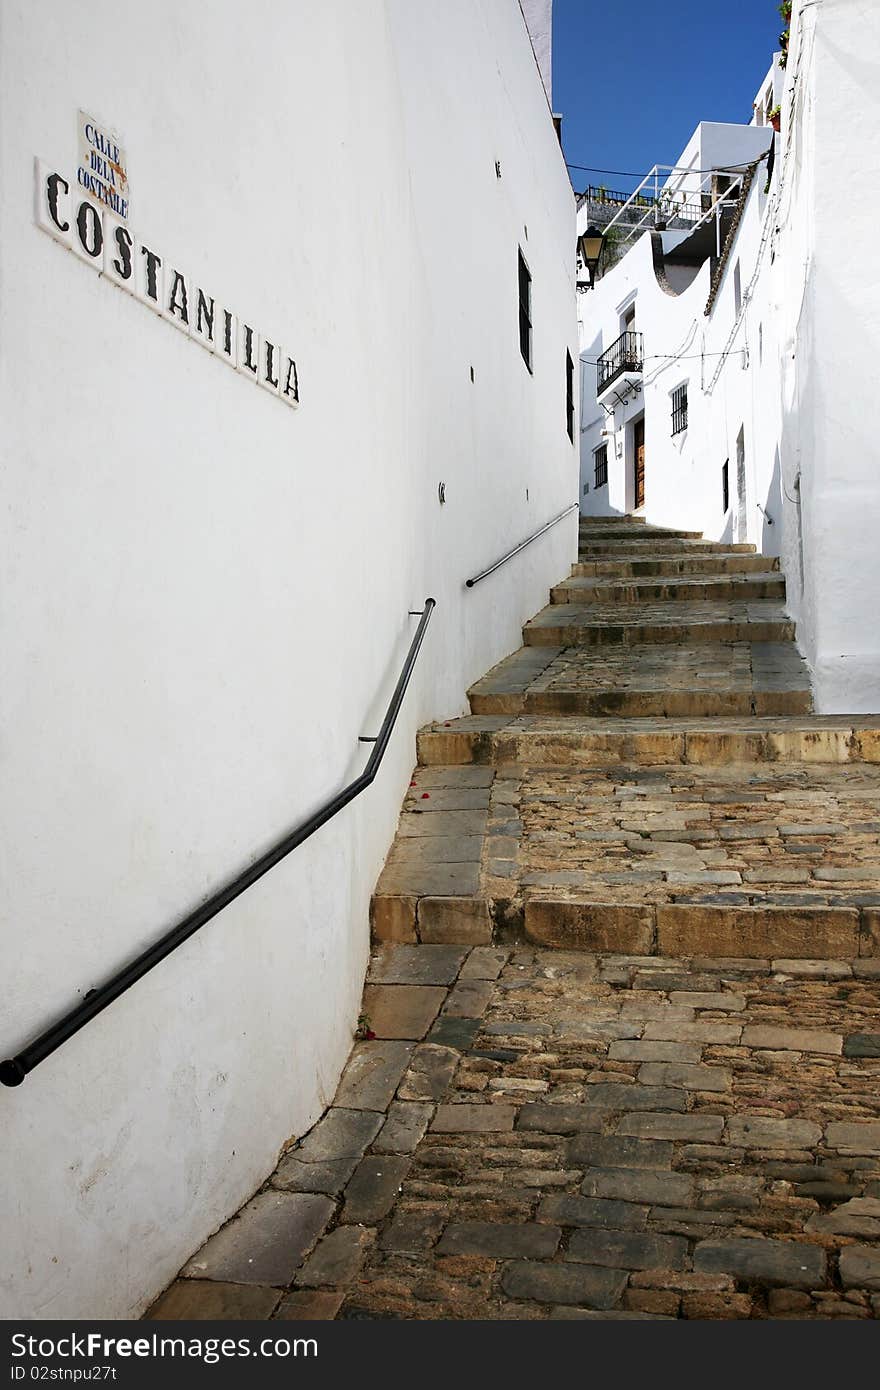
205, 594
794, 368
827, 253
539, 19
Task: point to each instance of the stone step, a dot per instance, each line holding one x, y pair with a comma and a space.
584, 742
659, 680
650, 548
717, 563
745, 860
625, 533
572, 624
691, 588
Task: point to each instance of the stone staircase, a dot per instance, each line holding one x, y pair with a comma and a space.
644, 775
620, 1043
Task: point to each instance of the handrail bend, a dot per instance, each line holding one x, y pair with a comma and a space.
469, 583
15, 1069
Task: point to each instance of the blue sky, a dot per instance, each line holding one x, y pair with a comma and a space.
632, 79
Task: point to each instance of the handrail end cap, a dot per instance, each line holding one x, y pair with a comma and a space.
12, 1073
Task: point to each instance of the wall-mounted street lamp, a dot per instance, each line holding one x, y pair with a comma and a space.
589, 245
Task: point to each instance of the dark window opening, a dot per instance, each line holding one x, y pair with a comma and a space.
680, 409
569, 395
525, 312
600, 466
725, 486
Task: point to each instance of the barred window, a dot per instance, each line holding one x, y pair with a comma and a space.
600, 465
569, 395
680, 409
525, 312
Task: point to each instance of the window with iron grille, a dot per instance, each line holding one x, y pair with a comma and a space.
525, 312
600, 466
569, 395
680, 409
725, 485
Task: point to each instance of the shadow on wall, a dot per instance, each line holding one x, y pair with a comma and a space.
770, 539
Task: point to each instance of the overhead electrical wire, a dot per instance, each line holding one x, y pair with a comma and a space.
672, 169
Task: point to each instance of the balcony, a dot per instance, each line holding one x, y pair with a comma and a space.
620, 366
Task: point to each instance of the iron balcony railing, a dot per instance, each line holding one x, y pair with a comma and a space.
624, 355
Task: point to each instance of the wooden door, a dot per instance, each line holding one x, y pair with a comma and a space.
639, 462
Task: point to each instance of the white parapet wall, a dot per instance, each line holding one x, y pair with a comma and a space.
206, 594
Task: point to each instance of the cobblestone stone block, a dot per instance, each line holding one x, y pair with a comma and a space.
373, 1189
721, 1000
593, 1211
584, 1285
458, 1033
854, 1137
337, 1258
559, 1118
197, 1300
638, 1185
416, 965
339, 1134
484, 963
641, 1050
860, 1216
429, 1074
860, 1267
862, 1045
695, 1128
472, 1119
413, 1230
621, 1096
372, 1075
661, 1030
613, 1151
266, 1242
790, 1264
792, 1039
497, 1241
767, 1132
404, 1127
627, 1249
469, 999
309, 1305
691, 1076
402, 1011
292, 1175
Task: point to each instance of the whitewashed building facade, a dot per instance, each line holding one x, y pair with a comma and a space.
740, 403
208, 594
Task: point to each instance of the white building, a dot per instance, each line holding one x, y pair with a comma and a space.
737, 405
207, 594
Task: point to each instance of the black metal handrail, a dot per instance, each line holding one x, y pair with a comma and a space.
624, 355
469, 583
15, 1069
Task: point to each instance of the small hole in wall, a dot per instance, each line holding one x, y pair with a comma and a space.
526, 231
472, 374
527, 494
441, 493
498, 168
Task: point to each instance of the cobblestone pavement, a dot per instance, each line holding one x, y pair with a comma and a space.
539, 1134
